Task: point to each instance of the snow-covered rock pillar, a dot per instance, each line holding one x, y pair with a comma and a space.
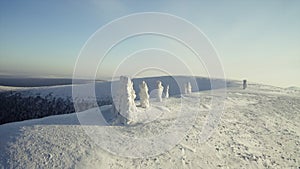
160, 90
189, 88
144, 96
125, 104
167, 92
184, 90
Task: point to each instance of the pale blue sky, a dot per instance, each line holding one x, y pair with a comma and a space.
257, 40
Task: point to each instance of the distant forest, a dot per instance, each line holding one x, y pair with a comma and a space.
35, 82
15, 107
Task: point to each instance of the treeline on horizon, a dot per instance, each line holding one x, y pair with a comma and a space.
36, 82
16, 107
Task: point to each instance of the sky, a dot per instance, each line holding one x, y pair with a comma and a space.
256, 40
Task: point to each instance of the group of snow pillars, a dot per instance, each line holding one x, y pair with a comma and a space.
124, 104
160, 90
187, 88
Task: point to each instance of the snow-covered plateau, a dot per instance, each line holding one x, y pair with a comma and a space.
259, 128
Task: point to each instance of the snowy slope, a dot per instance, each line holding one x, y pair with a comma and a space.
259, 129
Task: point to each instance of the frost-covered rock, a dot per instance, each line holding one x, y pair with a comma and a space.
160, 90
144, 96
184, 90
167, 91
124, 102
189, 88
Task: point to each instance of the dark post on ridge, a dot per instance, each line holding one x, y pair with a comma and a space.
244, 84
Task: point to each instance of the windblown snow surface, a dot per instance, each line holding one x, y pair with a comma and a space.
259, 128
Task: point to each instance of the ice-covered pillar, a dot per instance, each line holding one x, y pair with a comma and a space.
126, 105
189, 88
160, 90
144, 96
167, 91
184, 88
